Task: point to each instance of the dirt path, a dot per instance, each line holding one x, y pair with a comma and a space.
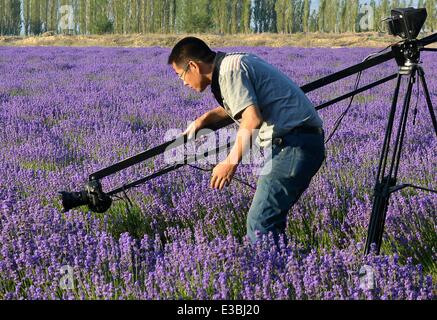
168, 40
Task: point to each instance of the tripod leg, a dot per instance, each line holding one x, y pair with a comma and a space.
402, 126
388, 132
384, 183
374, 219
427, 97
391, 179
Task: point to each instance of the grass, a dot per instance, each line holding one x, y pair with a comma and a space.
50, 165
39, 165
121, 218
18, 92
135, 122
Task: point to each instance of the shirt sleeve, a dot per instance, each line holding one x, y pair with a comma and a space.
237, 90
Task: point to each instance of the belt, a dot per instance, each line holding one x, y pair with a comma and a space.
303, 129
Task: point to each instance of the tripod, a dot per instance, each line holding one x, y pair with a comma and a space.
408, 59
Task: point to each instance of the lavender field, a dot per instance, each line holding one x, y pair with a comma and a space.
67, 112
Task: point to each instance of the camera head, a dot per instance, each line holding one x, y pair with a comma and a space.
92, 196
406, 22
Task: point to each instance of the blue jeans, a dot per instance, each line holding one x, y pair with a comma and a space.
293, 164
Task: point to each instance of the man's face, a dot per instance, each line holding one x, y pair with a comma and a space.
191, 73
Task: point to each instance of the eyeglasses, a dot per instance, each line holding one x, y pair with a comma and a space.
182, 75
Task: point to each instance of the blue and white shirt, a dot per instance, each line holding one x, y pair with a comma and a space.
245, 79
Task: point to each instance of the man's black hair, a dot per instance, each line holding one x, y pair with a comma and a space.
191, 48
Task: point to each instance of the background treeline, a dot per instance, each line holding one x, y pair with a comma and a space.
32, 17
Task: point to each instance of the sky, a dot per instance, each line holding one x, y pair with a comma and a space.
315, 3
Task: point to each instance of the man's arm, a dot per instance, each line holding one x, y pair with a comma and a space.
251, 120
211, 117
204, 121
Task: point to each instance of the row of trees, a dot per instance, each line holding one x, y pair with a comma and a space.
213, 16
10, 16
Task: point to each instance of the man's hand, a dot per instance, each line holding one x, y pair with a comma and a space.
191, 130
222, 174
